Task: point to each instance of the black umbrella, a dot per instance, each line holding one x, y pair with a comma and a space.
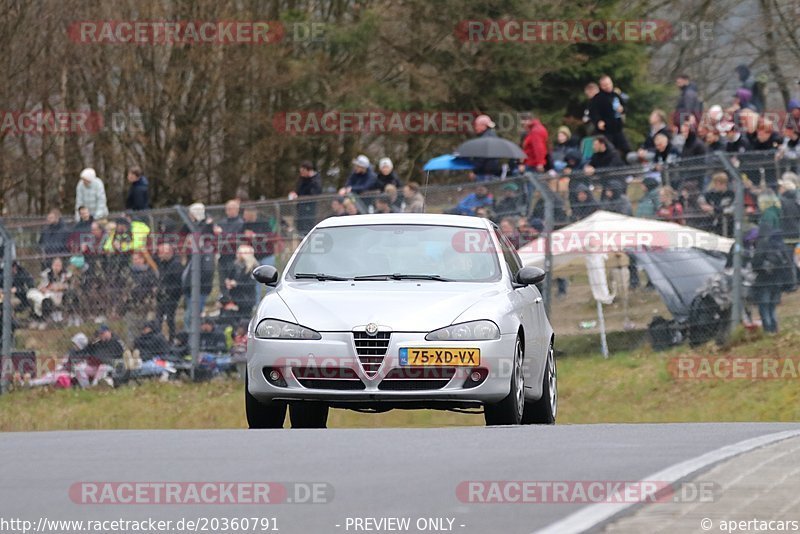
490, 147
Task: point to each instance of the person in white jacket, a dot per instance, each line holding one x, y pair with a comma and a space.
91, 193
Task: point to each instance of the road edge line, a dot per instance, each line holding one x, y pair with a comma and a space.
594, 515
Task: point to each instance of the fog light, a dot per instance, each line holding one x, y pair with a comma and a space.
476, 377
274, 377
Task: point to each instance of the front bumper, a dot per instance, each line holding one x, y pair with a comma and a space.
337, 350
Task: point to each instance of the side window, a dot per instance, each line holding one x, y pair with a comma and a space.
509, 254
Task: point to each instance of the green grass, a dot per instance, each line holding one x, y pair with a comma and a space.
633, 385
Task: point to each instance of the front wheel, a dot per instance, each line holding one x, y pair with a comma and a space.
260, 415
543, 411
509, 410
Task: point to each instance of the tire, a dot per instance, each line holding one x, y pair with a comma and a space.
544, 410
308, 414
509, 411
261, 415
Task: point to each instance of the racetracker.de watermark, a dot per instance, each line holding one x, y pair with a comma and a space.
205, 493
581, 31
335, 122
49, 122
194, 32
583, 491
734, 368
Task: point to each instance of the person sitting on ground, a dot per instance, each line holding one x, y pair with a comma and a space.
151, 343
212, 339
470, 203
413, 201
670, 208
95, 363
53, 295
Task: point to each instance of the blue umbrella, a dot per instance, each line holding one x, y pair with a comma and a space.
448, 162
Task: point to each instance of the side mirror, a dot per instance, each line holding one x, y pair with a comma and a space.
266, 274
529, 276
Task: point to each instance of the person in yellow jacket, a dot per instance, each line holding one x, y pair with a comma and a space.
127, 236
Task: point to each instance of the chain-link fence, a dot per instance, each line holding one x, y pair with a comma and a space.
167, 293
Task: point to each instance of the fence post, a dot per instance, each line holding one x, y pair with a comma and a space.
8, 310
195, 265
549, 223
738, 219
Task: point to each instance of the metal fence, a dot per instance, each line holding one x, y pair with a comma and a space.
167, 292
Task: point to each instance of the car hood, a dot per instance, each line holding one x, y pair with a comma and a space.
403, 305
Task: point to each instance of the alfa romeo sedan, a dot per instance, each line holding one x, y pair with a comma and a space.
418, 311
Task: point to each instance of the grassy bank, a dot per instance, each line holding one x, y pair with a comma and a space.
632, 386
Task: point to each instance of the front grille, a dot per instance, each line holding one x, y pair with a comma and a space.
371, 350
338, 378
417, 378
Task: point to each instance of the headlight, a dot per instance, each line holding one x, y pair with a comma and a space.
471, 331
275, 329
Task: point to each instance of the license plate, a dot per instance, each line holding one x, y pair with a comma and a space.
434, 356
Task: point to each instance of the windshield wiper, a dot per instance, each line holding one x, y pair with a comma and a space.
400, 276
322, 277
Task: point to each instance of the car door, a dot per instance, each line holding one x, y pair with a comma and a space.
527, 301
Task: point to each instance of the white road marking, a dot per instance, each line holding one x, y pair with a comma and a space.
594, 514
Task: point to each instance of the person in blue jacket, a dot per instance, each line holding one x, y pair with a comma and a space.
139, 192
470, 203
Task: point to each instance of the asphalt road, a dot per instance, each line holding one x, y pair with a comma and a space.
370, 473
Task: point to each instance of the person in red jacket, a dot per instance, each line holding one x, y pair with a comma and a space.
535, 144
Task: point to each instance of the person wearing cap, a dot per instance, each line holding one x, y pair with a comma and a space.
309, 184
485, 168
509, 204
614, 198
386, 174
91, 193
362, 179
151, 343
584, 204
565, 142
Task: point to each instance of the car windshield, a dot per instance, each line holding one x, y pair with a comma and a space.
396, 252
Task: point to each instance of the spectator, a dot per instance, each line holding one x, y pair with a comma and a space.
337, 207
535, 144
770, 207
649, 203
658, 125
127, 236
363, 179
573, 160
753, 87
604, 157
98, 358
53, 240
720, 198
395, 199
735, 142
565, 142
692, 146
386, 174
614, 198
228, 232
485, 168
510, 204
470, 203
790, 214
212, 339
260, 236
584, 204
204, 229
82, 228
508, 229
670, 208
308, 184
766, 138
53, 295
21, 283
239, 285
91, 193
413, 201
143, 287
589, 113
689, 102
696, 210
139, 191
606, 111
528, 230
169, 290
665, 153
793, 117
713, 141
151, 343
383, 204
774, 272
350, 207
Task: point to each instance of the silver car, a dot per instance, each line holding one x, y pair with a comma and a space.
379, 312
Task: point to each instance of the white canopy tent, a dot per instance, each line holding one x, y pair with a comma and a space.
604, 233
